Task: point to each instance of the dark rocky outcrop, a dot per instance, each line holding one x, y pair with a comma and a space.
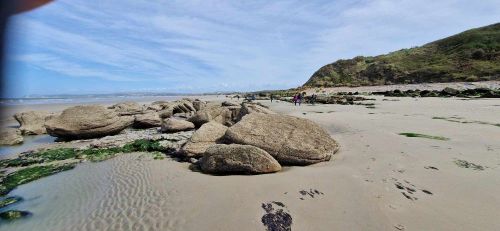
446, 92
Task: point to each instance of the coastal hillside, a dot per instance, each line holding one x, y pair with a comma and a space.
473, 55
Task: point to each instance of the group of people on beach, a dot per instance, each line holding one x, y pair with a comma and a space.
299, 98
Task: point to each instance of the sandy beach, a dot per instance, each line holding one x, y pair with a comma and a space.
379, 180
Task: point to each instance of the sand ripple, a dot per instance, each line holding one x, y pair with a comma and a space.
119, 194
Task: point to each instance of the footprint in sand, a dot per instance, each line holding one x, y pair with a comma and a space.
277, 217
431, 167
311, 193
409, 190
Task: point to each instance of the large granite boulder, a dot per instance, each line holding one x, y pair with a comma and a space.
149, 119
217, 113
32, 122
290, 140
83, 122
171, 125
236, 158
10, 136
127, 108
207, 135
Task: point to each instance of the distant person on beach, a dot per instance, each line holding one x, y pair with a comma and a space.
272, 97
299, 98
313, 99
295, 99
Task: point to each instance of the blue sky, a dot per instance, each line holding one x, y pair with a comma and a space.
95, 46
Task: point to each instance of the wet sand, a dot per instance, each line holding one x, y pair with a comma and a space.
379, 180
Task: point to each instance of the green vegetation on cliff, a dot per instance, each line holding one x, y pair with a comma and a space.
473, 55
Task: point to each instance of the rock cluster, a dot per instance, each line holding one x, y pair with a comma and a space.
231, 138
446, 92
257, 140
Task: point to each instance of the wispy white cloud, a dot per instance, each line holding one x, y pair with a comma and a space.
223, 45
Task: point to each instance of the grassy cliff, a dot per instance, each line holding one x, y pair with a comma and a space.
473, 55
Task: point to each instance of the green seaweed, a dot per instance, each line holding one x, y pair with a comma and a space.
19, 162
14, 214
410, 134
158, 155
460, 120
56, 154
92, 154
29, 173
23, 176
9, 200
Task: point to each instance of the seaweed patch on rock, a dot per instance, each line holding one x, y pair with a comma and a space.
14, 214
23, 176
